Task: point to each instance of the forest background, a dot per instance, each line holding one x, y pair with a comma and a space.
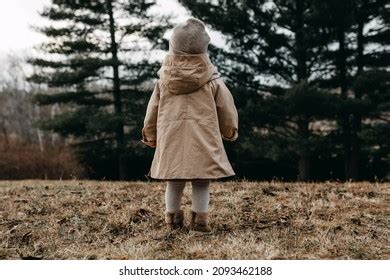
310, 80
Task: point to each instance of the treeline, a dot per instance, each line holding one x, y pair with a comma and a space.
310, 79
98, 59
26, 151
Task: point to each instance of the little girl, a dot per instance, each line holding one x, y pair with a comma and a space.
189, 113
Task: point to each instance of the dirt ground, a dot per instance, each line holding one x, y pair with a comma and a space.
250, 220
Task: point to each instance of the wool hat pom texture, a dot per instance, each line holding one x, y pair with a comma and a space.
189, 37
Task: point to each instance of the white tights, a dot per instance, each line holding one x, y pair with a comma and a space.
200, 195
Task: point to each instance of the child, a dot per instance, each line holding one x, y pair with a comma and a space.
189, 113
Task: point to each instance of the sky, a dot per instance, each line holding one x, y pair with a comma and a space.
17, 17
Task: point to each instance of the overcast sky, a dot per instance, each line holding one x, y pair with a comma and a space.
17, 16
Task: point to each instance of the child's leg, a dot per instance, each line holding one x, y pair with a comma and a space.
200, 195
174, 216
173, 195
200, 206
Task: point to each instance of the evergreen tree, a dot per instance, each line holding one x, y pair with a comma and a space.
374, 62
98, 60
372, 88
272, 55
345, 25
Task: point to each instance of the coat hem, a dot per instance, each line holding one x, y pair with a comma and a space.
188, 179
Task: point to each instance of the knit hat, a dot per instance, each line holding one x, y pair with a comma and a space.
189, 38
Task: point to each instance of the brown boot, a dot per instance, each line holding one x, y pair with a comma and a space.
175, 220
199, 223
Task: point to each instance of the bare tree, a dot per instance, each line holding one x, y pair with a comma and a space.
18, 113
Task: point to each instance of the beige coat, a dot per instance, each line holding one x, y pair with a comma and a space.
188, 114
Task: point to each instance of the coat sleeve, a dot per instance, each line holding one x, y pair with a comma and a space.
149, 131
227, 112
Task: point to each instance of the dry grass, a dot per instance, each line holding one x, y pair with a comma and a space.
106, 220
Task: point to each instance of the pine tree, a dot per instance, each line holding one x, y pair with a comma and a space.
97, 60
369, 63
345, 24
370, 81
272, 55
372, 88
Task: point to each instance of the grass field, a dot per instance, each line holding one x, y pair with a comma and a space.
250, 220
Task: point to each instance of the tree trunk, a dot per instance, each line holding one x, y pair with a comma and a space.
120, 134
5, 135
304, 162
39, 131
356, 118
304, 166
301, 49
342, 77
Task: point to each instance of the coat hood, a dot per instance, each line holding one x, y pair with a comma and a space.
182, 74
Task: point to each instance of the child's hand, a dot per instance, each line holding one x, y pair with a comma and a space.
151, 144
233, 136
